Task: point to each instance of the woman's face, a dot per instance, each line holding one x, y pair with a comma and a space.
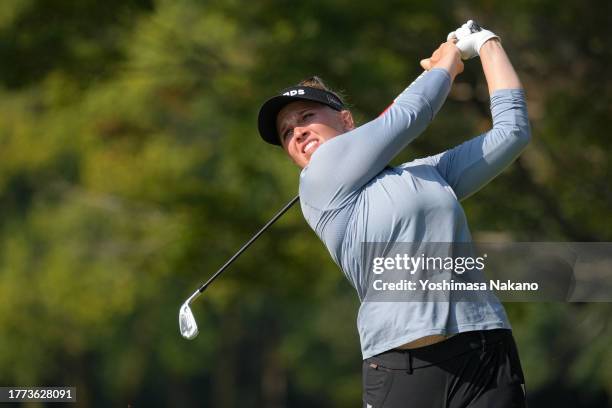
303, 126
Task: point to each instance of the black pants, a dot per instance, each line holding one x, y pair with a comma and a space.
477, 369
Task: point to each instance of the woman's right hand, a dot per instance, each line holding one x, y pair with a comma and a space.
447, 56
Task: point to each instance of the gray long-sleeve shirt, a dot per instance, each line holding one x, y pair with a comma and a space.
349, 195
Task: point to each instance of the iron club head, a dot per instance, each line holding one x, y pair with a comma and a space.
187, 323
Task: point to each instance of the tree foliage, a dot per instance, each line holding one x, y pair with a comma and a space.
130, 170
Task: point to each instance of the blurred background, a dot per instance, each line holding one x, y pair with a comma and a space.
131, 169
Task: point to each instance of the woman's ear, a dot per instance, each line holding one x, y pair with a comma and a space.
347, 120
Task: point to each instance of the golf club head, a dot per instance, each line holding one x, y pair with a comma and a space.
187, 323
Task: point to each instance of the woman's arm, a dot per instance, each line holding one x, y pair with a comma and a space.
497, 67
471, 165
344, 164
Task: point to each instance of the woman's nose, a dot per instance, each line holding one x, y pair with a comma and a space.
300, 133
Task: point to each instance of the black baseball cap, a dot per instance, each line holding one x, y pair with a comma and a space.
269, 110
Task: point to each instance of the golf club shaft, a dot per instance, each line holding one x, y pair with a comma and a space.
241, 250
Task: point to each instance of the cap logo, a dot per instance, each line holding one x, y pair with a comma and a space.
294, 92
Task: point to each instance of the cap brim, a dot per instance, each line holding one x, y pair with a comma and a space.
267, 117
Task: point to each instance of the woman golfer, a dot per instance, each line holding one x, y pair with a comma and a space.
417, 354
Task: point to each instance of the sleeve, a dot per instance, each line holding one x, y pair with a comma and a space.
471, 165
344, 164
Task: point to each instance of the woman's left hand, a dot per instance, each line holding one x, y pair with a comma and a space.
470, 38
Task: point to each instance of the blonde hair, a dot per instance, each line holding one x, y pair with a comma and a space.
317, 83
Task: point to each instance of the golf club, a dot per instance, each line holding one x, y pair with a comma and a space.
187, 323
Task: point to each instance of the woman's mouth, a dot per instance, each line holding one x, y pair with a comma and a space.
309, 147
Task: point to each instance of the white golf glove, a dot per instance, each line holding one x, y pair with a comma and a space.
471, 37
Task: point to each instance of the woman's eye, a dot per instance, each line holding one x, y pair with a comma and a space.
306, 115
